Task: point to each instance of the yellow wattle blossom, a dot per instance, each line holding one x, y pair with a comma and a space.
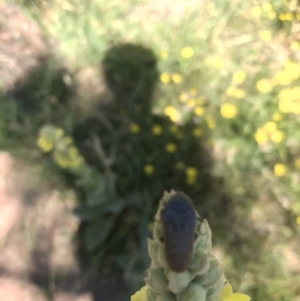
218, 63
264, 86
163, 54
148, 169
295, 46
261, 136
171, 148
176, 78
210, 121
174, 129
280, 169
298, 220
270, 127
276, 117
256, 11
187, 52
172, 113
191, 175
239, 93
277, 136
267, 7
289, 100
193, 91
197, 132
289, 17
283, 77
183, 97
140, 295
292, 70
265, 35
297, 163
200, 101
157, 130
298, 16
199, 111
191, 103
239, 77
165, 78
282, 17
230, 91
45, 144
272, 15
228, 110
134, 128
179, 165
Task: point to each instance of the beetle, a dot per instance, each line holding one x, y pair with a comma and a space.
178, 219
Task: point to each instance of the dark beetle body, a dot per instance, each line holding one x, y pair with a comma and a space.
179, 219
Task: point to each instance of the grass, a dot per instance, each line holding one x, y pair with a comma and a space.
245, 125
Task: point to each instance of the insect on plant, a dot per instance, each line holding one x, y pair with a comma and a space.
179, 221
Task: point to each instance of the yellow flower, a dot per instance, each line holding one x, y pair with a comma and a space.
170, 148
61, 160
67, 140
230, 91
172, 113
289, 17
239, 77
190, 181
218, 63
179, 165
210, 122
191, 172
261, 136
289, 100
295, 46
272, 15
187, 52
298, 17
134, 128
228, 110
256, 11
163, 54
197, 132
282, 17
282, 77
200, 101
265, 35
267, 7
277, 136
199, 111
45, 144
183, 97
174, 129
193, 91
58, 133
228, 295
280, 169
292, 70
239, 93
191, 103
176, 78
148, 169
73, 152
165, 78
140, 295
270, 127
298, 220
264, 86
276, 117
157, 130
76, 162
297, 163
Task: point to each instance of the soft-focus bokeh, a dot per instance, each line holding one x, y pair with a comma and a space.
106, 104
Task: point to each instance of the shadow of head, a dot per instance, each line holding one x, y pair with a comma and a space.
130, 71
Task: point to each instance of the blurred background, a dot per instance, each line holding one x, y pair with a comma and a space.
106, 104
